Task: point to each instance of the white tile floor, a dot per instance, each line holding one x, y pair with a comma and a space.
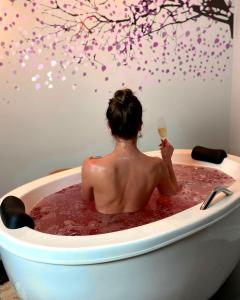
7, 292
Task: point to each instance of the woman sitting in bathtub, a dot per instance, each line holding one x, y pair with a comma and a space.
124, 180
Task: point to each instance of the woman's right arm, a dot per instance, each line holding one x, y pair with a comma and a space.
168, 183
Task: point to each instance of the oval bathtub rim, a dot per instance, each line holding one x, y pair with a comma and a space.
85, 253
83, 261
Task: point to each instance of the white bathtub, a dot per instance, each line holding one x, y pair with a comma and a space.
185, 256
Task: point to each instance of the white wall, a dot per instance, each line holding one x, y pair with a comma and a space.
234, 143
54, 128
42, 132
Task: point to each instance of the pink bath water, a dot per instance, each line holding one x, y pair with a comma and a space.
65, 213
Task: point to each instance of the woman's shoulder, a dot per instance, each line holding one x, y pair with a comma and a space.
152, 159
154, 163
91, 162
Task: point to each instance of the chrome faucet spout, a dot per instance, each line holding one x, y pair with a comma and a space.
215, 191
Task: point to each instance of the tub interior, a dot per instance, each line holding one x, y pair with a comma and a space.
35, 191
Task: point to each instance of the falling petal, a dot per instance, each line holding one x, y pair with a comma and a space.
37, 86
40, 67
53, 63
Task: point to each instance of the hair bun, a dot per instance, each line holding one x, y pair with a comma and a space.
124, 96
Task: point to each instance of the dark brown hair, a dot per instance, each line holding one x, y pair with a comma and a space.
124, 114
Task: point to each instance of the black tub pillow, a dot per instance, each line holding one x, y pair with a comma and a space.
215, 156
13, 213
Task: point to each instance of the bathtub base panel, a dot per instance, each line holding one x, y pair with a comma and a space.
193, 268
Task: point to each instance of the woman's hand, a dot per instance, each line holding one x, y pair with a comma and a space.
166, 150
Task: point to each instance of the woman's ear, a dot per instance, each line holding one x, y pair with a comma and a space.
140, 131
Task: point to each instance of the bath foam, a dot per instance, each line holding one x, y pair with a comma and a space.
65, 212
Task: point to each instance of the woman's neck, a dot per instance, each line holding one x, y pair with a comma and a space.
126, 147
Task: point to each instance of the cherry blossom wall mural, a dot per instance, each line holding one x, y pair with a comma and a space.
161, 39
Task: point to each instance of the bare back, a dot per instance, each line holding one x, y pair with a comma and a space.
123, 183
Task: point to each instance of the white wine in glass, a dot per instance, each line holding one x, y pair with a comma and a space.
162, 128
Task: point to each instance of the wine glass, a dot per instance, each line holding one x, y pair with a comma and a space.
162, 128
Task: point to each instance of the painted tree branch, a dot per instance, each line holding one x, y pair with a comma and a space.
122, 27
102, 32
142, 19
